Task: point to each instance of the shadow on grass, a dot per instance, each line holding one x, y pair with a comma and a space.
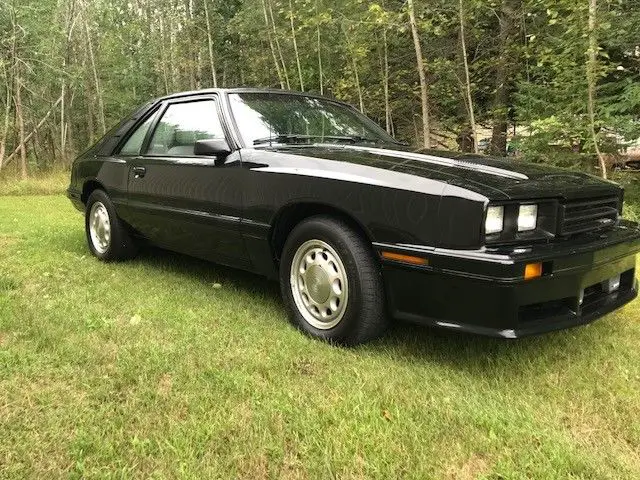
477, 354
403, 341
184, 265
472, 353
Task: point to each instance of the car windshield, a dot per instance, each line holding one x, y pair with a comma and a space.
267, 118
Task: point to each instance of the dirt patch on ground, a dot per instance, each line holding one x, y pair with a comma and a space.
7, 241
474, 467
165, 385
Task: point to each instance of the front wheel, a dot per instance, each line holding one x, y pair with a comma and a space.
331, 282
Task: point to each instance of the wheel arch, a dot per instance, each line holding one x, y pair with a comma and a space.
88, 187
292, 214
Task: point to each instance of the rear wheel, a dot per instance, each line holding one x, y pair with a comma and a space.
331, 282
107, 236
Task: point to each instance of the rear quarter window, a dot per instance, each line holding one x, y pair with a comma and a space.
133, 145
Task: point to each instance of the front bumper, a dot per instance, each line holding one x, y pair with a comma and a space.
485, 292
76, 199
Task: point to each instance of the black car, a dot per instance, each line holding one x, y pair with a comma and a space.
357, 227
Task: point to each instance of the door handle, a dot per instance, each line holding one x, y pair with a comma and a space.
139, 172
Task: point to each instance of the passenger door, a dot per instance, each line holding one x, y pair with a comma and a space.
182, 201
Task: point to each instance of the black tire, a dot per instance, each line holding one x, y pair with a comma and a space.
121, 245
364, 316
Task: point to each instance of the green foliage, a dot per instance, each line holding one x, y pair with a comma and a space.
42, 183
106, 56
552, 93
631, 184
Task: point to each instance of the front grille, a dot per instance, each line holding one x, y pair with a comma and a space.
589, 215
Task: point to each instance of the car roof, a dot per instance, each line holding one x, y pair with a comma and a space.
110, 140
206, 91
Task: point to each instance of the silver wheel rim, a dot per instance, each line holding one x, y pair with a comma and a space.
319, 284
100, 227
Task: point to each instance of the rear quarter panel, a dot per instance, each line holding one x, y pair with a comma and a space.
110, 173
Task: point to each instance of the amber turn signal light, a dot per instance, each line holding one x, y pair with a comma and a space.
532, 270
399, 257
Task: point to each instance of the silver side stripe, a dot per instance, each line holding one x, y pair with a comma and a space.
316, 172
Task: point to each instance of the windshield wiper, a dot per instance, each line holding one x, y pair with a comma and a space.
282, 138
290, 138
354, 139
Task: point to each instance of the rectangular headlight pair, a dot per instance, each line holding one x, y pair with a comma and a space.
495, 219
527, 218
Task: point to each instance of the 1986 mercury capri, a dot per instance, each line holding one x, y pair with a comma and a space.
356, 226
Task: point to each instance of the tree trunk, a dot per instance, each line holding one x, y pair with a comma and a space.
22, 147
163, 57
10, 81
275, 37
210, 43
191, 64
68, 126
23, 140
34, 148
470, 109
320, 74
295, 46
5, 123
359, 87
501, 98
271, 45
17, 97
63, 91
420, 65
198, 69
96, 80
224, 73
319, 51
592, 72
385, 83
89, 114
51, 140
69, 20
172, 58
354, 64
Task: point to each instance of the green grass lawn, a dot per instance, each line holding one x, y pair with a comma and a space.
40, 183
170, 367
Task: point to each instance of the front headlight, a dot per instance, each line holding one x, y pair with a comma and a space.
495, 219
520, 221
527, 217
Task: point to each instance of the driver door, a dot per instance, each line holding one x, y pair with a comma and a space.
182, 201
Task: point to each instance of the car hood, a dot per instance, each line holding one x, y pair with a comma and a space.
495, 178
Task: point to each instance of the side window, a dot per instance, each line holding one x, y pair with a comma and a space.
182, 124
134, 144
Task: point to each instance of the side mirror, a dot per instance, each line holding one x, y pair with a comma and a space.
213, 147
